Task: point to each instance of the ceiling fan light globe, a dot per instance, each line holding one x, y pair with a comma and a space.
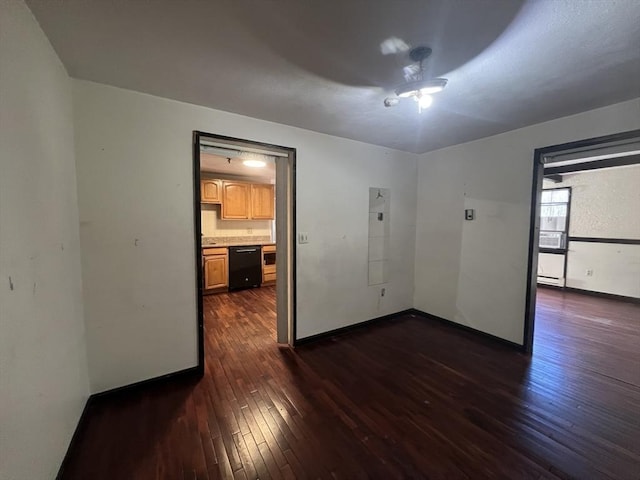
425, 87
425, 101
431, 90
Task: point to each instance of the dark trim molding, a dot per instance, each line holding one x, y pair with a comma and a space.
242, 141
291, 152
191, 372
591, 142
554, 251
349, 328
465, 328
187, 373
554, 178
82, 422
532, 256
567, 229
536, 190
412, 312
198, 252
555, 188
593, 165
294, 261
619, 241
611, 296
551, 287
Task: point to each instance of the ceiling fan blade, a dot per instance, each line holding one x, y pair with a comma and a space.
393, 46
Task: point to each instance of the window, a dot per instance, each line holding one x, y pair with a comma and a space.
554, 213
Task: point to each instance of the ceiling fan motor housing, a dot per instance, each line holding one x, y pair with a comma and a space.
419, 88
419, 54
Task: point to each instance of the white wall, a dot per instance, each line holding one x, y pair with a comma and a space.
604, 267
43, 376
135, 183
474, 272
604, 204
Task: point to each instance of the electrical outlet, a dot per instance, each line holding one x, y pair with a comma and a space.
303, 237
589, 272
383, 291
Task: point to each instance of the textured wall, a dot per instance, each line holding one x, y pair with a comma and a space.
604, 203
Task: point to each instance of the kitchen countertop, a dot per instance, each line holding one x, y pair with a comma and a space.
237, 244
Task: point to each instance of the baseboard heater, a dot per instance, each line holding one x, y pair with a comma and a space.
555, 281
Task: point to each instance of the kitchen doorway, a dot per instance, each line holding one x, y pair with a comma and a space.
244, 216
578, 243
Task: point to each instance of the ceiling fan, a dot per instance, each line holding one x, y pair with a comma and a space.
417, 87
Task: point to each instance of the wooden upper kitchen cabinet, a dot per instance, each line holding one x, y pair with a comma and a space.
244, 201
235, 200
215, 268
210, 191
262, 202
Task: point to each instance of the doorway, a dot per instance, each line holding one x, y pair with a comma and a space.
558, 246
244, 217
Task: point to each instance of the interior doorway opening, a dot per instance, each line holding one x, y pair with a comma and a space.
584, 232
244, 216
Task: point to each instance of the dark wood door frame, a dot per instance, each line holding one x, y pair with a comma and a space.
197, 137
534, 221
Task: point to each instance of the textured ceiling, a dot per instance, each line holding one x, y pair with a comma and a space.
318, 64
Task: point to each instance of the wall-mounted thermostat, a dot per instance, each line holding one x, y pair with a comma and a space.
469, 214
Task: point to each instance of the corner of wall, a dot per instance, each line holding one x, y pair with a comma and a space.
42, 345
475, 272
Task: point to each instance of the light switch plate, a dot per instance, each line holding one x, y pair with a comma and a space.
303, 237
469, 214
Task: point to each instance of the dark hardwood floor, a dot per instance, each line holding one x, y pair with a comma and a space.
407, 398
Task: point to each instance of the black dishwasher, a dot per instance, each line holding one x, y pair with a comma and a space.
245, 267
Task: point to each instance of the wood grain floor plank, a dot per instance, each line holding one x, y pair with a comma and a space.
407, 398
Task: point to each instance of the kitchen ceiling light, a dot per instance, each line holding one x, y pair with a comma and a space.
419, 88
254, 163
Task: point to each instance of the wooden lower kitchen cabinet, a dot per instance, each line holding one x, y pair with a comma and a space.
268, 264
216, 269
